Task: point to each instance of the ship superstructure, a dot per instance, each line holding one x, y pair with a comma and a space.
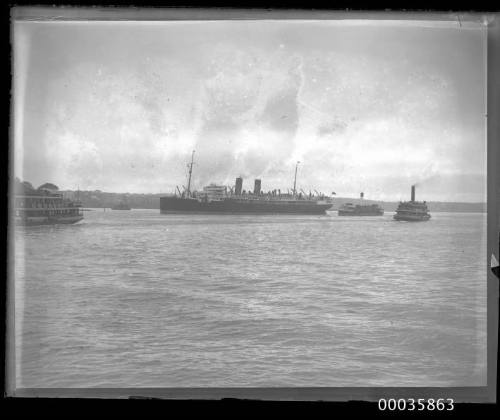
412, 211
234, 199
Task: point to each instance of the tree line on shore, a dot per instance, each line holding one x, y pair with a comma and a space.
100, 199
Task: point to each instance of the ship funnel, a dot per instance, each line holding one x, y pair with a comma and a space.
239, 186
413, 193
256, 188
361, 195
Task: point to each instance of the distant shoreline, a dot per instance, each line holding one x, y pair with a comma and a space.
348, 199
328, 211
100, 199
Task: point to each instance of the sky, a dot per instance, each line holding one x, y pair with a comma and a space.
372, 107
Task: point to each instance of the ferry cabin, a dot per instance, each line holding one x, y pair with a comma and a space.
44, 206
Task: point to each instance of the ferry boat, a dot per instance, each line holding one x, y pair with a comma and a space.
123, 205
412, 211
43, 206
223, 199
350, 209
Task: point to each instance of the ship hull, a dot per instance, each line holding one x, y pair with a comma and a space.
350, 213
412, 218
43, 220
189, 205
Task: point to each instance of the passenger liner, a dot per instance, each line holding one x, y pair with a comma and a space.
222, 199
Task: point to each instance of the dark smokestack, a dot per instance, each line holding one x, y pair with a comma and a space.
256, 188
413, 193
361, 195
239, 186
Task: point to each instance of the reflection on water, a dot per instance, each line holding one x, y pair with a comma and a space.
139, 299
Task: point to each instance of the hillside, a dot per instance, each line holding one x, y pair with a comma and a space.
99, 199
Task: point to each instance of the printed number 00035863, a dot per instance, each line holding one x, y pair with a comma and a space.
419, 404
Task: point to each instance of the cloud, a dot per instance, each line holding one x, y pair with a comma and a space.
124, 109
78, 162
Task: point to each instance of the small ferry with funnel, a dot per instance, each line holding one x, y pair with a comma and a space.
122, 205
412, 211
43, 206
350, 209
234, 199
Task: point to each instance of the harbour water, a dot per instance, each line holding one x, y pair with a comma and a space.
140, 299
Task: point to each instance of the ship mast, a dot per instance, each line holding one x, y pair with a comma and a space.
295, 180
190, 172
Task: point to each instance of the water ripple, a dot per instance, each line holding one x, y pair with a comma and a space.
130, 299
